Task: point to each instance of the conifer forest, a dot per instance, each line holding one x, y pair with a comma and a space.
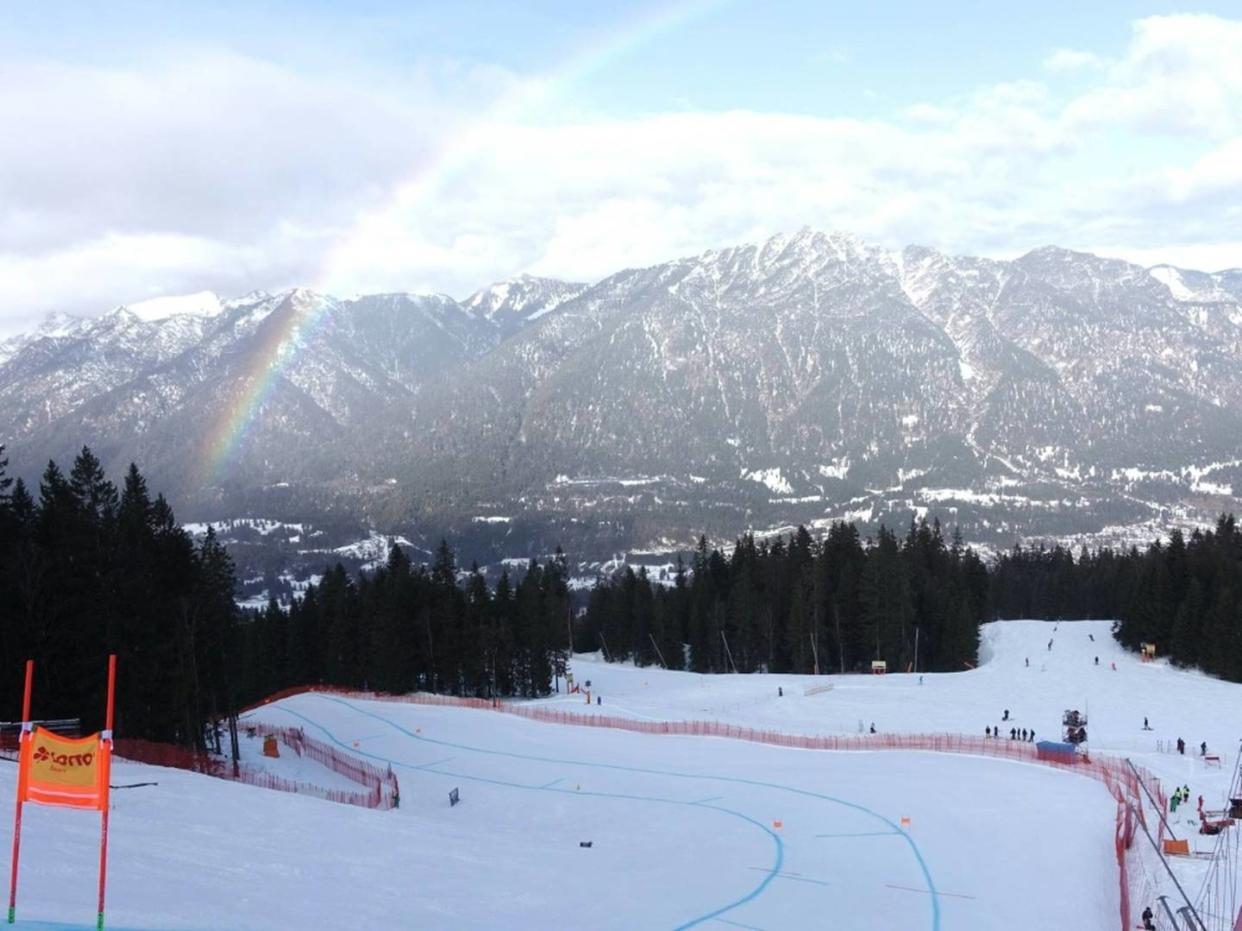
88, 569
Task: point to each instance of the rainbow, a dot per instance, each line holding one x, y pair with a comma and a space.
283, 338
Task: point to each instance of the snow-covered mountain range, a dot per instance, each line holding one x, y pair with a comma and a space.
805, 378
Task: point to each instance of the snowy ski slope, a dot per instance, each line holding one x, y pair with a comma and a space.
683, 830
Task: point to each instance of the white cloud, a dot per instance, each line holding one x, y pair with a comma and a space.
213, 171
239, 157
1068, 59
1181, 74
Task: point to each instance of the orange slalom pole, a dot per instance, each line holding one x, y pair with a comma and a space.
17, 818
106, 736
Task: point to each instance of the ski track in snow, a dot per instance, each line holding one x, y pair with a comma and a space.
685, 829
773, 872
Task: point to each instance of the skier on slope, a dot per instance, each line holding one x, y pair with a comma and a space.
1147, 920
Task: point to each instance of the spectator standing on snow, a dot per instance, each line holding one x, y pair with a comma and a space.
1145, 727
987, 731
873, 727
1181, 746
1203, 748
1028, 662
1031, 739
780, 692
1013, 733
1092, 636
1147, 920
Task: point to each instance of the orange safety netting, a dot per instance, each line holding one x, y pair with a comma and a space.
378, 787
1124, 782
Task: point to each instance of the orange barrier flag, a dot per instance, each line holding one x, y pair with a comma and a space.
71, 772
68, 771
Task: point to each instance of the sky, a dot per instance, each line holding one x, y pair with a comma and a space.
151, 149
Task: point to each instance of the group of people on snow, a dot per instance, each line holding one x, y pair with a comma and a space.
1014, 733
1181, 744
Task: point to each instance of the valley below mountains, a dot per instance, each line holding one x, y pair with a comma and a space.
805, 379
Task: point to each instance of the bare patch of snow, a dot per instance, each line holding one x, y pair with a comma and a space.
772, 478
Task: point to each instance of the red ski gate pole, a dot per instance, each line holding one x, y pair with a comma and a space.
17, 818
105, 743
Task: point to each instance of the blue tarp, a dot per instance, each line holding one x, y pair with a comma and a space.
1056, 751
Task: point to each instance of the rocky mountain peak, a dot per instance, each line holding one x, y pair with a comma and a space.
800, 378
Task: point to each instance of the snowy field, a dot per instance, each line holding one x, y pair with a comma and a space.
685, 832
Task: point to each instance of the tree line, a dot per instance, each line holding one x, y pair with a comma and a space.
1184, 594
801, 605
87, 570
406, 627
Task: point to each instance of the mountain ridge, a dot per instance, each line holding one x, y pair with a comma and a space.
800, 379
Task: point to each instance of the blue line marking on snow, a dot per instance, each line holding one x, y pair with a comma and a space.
66, 926
780, 846
933, 895
738, 924
704, 801
549, 785
758, 890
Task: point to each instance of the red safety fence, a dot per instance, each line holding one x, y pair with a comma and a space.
379, 788
352, 768
1122, 781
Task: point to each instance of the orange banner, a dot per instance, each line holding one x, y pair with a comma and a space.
68, 771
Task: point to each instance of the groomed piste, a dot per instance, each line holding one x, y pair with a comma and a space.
684, 831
